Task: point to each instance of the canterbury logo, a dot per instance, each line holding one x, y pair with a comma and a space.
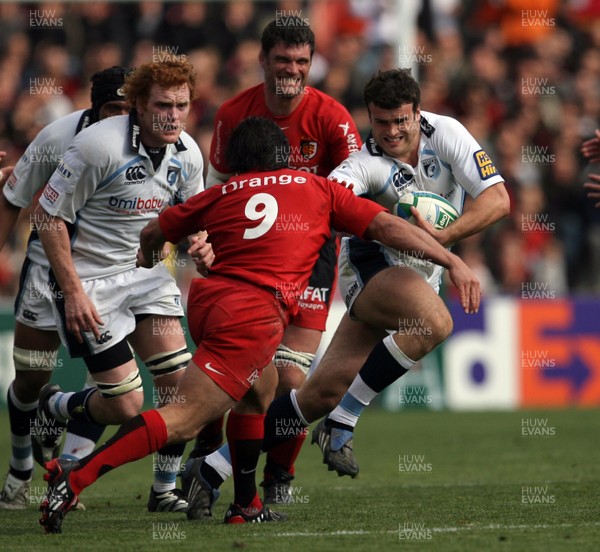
106, 336
29, 315
135, 173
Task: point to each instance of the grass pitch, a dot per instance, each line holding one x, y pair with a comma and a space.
519, 481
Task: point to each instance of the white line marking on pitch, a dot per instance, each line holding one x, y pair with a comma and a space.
440, 529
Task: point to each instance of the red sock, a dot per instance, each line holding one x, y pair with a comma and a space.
284, 454
136, 438
245, 433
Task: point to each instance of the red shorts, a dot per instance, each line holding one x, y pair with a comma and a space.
237, 328
313, 306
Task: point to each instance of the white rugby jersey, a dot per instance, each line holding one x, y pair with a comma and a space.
36, 165
42, 156
451, 164
107, 188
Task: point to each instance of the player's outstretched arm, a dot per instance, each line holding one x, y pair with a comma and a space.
399, 234
80, 312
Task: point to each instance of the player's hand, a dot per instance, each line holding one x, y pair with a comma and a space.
81, 316
201, 252
142, 262
438, 235
591, 148
5, 172
467, 284
594, 188
349, 185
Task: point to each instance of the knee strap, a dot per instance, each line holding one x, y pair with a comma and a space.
285, 357
133, 382
161, 364
28, 360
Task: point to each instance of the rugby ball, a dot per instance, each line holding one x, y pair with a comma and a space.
436, 210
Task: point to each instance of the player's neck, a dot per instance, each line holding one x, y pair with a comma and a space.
411, 158
282, 107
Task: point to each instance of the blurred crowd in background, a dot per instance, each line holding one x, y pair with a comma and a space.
522, 76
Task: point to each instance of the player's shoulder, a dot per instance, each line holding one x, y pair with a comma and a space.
441, 127
192, 150
370, 154
237, 106
102, 140
105, 129
324, 103
61, 130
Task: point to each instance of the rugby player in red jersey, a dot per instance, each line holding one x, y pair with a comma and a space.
238, 314
321, 134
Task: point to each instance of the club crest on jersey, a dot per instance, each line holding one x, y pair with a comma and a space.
308, 148
172, 174
431, 166
484, 165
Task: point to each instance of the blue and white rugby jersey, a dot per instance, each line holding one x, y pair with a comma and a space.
36, 165
107, 188
451, 164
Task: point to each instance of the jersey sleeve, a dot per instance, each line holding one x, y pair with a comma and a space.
471, 166
357, 170
350, 213
33, 169
222, 131
71, 184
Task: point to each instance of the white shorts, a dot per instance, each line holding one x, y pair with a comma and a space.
118, 300
33, 304
360, 260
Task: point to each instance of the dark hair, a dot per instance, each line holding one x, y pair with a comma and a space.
257, 144
107, 86
292, 31
391, 89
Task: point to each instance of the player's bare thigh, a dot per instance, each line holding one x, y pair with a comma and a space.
29, 382
157, 334
349, 348
261, 394
200, 401
399, 296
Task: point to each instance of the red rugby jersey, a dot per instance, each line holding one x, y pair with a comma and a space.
320, 130
267, 228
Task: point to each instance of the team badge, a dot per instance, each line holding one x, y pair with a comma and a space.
308, 148
431, 166
172, 174
484, 165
